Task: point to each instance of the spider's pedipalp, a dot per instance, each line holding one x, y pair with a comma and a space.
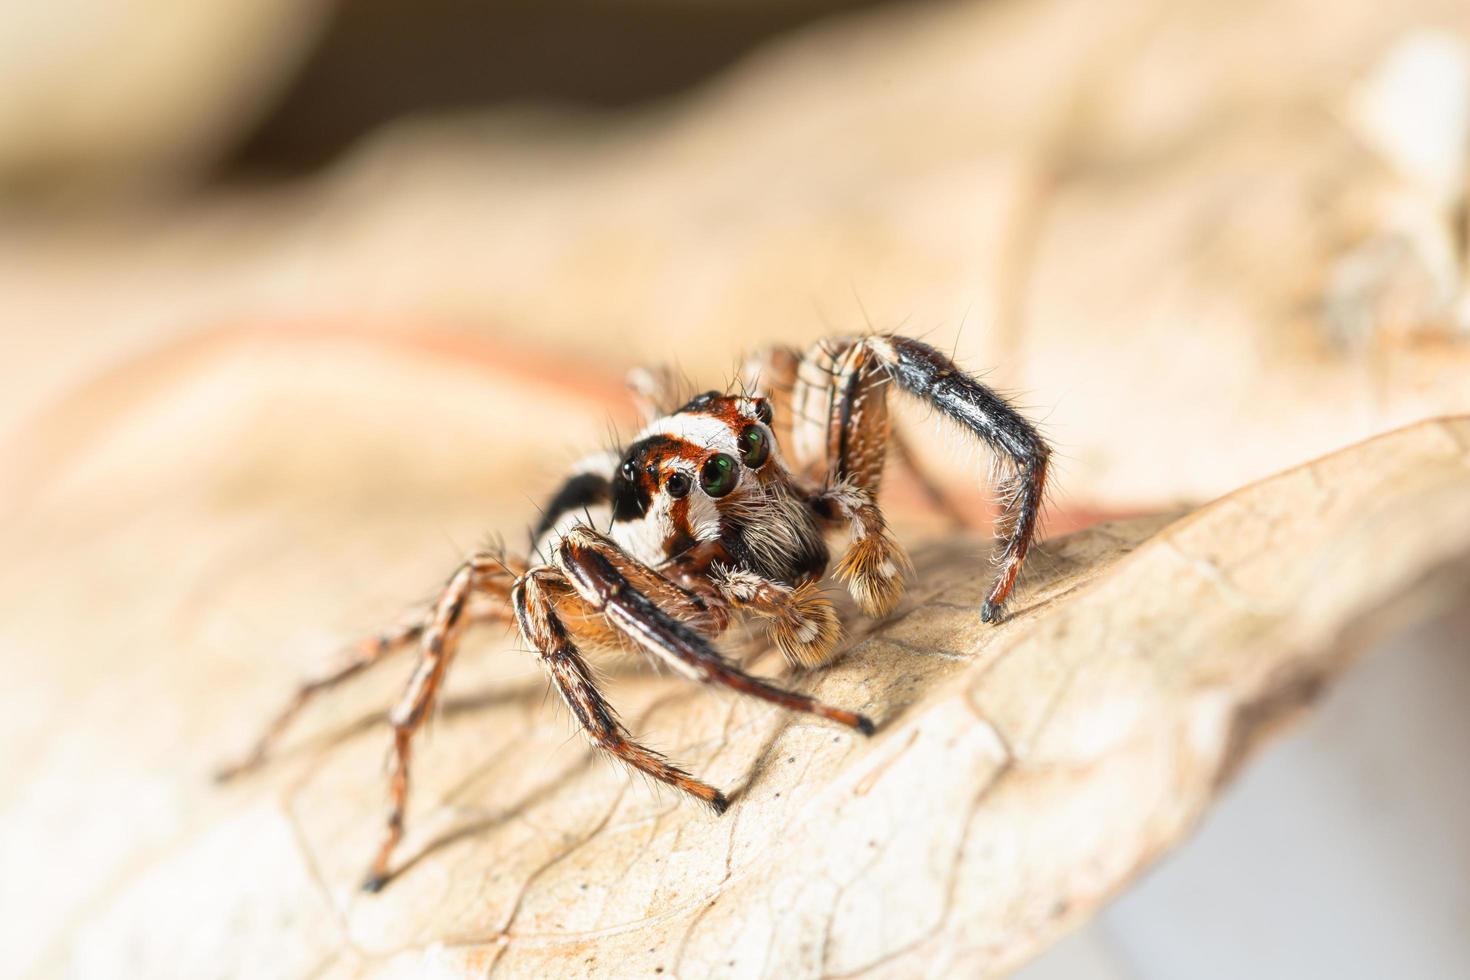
800, 620
584, 558
875, 566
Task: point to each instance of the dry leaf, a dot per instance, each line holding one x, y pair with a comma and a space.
181, 566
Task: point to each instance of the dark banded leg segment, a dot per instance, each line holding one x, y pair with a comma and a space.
928, 374
535, 610
844, 381
590, 561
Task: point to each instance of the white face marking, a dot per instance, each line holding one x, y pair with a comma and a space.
715, 436
701, 430
645, 538
704, 516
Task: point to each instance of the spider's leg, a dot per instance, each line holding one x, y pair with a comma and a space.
800, 620
535, 598
358, 658
925, 372
857, 430
591, 564
438, 642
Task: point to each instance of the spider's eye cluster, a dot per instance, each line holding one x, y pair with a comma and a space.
719, 475
755, 448
629, 471
677, 485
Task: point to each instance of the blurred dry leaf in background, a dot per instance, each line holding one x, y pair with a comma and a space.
246, 422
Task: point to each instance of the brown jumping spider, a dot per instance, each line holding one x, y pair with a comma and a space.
718, 506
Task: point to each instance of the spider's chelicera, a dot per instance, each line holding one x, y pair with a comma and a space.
718, 507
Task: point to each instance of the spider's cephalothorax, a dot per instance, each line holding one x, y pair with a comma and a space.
706, 479
719, 507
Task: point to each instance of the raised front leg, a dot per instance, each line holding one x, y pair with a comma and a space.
845, 382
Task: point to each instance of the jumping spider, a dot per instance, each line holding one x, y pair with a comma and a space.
717, 507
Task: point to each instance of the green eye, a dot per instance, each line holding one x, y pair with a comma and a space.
754, 446
719, 475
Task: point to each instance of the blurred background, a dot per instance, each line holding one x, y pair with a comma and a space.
348, 283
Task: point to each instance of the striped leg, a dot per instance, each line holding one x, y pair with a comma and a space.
590, 563
773, 374
535, 598
438, 642
844, 383
358, 659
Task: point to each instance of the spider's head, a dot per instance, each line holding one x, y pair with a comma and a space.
684, 468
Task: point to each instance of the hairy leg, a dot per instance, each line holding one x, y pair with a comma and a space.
357, 659
535, 599
590, 563
846, 377
804, 430
438, 642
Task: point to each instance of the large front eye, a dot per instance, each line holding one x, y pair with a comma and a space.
719, 475
754, 446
